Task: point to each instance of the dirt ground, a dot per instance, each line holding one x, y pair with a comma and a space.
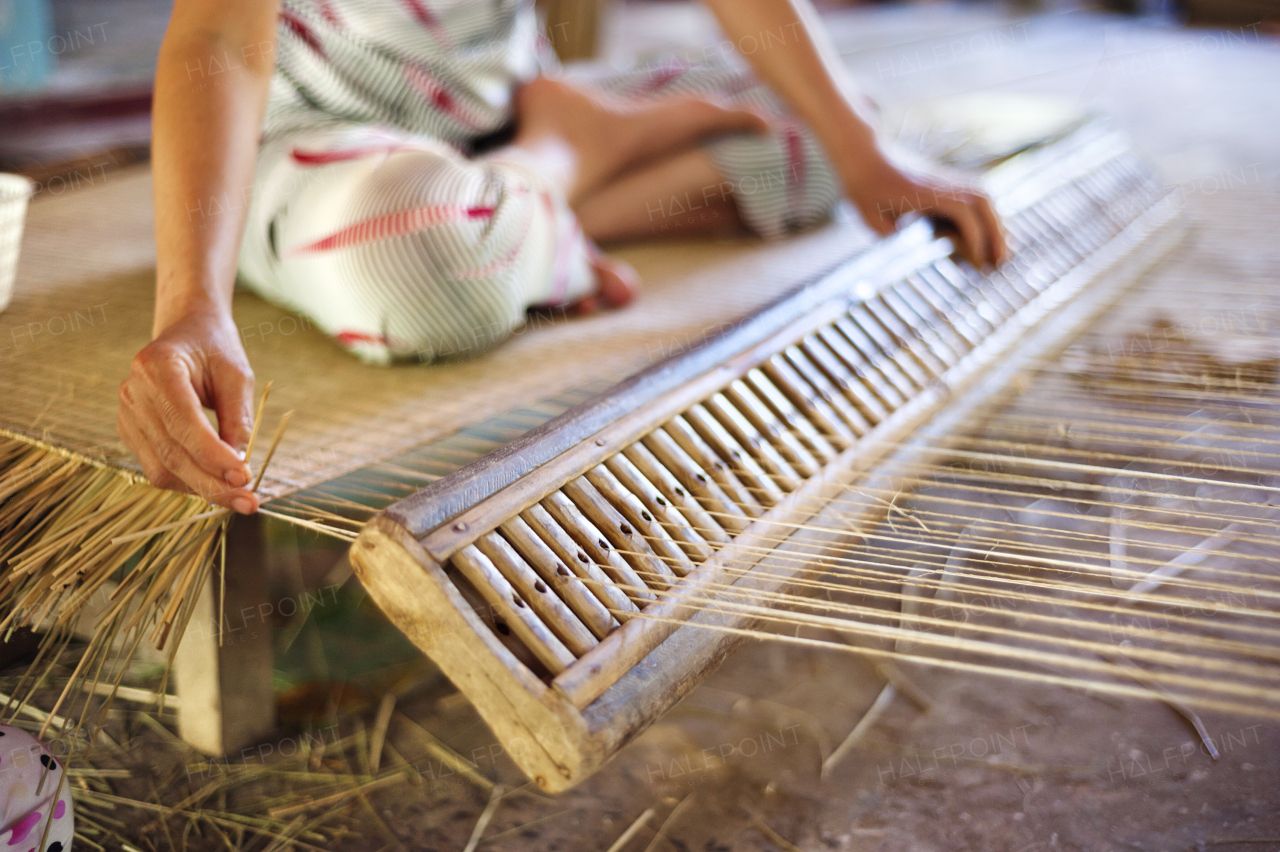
991, 764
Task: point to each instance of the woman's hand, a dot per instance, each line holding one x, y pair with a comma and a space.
196, 362
885, 193
204, 143
807, 71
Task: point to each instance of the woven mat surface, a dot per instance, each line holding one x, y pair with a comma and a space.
84, 297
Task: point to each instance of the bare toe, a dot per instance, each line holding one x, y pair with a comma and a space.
616, 280
616, 285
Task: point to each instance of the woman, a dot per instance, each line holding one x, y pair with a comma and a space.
420, 183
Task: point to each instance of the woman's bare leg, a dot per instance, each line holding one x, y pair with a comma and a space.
682, 195
592, 138
583, 141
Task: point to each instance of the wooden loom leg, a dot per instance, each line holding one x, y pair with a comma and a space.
574, 27
226, 698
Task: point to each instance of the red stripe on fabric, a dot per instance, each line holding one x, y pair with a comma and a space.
663, 77
302, 30
350, 338
435, 93
327, 12
497, 265
427, 18
795, 154
391, 225
338, 155
424, 15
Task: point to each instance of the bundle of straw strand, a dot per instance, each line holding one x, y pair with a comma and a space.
77, 537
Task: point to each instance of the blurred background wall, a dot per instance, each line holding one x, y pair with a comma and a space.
75, 75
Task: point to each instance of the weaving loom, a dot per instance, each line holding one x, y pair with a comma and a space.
578, 582
74, 507
827, 410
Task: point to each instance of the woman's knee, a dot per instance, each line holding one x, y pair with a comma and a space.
426, 265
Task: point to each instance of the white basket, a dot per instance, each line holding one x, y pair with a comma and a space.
15, 190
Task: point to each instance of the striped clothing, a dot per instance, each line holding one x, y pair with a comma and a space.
781, 182
439, 68
400, 248
373, 215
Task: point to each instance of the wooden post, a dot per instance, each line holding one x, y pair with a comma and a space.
573, 27
226, 698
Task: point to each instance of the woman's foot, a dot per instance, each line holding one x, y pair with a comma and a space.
616, 284
603, 136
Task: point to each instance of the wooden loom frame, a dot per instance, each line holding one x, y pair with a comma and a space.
560, 732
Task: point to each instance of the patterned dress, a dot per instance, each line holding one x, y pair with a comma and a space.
384, 209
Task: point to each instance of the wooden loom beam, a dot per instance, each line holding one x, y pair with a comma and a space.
713, 403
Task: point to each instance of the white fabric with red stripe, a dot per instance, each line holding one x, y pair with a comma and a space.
367, 217
399, 247
443, 68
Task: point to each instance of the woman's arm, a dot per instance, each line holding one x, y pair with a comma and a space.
801, 65
211, 86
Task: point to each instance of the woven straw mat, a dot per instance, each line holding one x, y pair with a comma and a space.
83, 303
